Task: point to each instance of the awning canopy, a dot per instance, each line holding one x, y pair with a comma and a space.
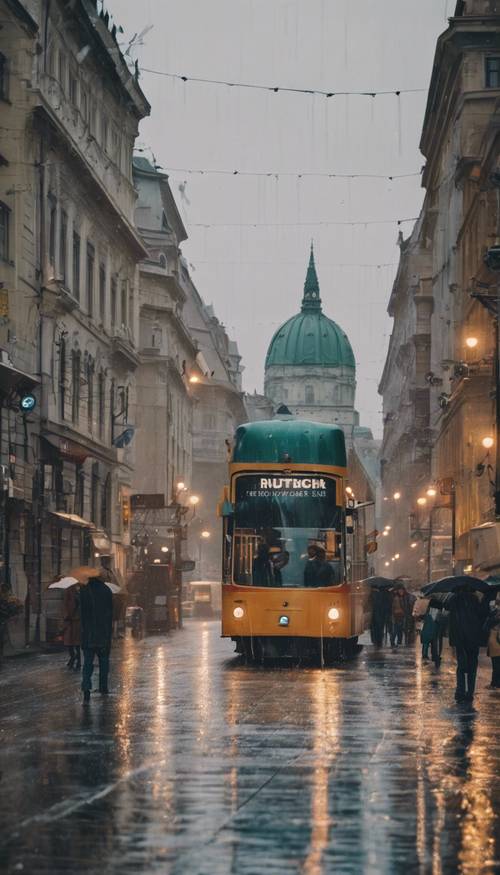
11, 378
72, 519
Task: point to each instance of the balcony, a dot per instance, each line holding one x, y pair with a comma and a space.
123, 348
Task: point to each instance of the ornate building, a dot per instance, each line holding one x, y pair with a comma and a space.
310, 364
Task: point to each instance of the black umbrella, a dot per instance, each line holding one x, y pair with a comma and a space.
379, 582
451, 584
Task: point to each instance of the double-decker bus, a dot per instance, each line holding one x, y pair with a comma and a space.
285, 590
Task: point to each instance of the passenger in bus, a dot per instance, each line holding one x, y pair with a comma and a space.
262, 567
318, 572
280, 560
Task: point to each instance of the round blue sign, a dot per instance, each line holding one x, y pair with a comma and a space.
27, 403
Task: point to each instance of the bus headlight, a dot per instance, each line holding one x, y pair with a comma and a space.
333, 614
238, 613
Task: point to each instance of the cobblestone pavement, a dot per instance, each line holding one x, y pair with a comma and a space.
200, 764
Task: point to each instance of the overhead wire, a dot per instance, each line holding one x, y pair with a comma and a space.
281, 88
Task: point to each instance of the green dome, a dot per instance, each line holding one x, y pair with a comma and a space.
310, 337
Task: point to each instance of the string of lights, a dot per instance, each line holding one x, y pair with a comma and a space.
297, 174
282, 88
297, 224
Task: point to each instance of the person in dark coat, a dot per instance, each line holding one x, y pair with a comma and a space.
467, 615
96, 615
71, 631
318, 572
262, 567
379, 616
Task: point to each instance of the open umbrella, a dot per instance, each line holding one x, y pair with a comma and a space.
63, 583
379, 582
71, 580
451, 584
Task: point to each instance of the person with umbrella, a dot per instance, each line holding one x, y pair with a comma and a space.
468, 611
96, 617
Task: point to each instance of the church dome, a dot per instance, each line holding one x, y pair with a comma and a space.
310, 337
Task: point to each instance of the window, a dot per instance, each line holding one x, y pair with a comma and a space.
101, 402
106, 502
102, 292
309, 394
90, 395
62, 378
90, 278
209, 421
84, 104
51, 61
63, 247
4, 232
75, 381
113, 301
492, 72
124, 303
79, 490
76, 266
105, 133
92, 117
62, 70
73, 88
94, 492
4, 78
112, 410
52, 229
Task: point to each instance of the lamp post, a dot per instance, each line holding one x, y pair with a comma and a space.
179, 512
446, 486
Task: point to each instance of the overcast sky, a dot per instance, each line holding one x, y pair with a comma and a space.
254, 275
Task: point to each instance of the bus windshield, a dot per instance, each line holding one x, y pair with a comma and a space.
287, 531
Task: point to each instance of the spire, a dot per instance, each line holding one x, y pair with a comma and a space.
311, 299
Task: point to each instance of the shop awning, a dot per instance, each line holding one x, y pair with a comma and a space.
72, 519
11, 378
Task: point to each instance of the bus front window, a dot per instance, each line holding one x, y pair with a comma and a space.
287, 531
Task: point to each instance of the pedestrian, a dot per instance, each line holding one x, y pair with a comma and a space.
493, 628
378, 616
71, 630
398, 616
432, 635
467, 615
96, 615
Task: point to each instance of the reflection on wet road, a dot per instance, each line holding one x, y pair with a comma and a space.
198, 763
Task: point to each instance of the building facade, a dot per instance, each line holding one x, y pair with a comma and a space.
458, 227
72, 283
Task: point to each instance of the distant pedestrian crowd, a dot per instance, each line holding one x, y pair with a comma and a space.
465, 610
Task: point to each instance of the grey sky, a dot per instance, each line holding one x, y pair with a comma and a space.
254, 276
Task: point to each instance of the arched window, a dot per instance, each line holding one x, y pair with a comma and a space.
309, 394
76, 367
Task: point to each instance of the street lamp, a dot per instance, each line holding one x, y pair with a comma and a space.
396, 496
421, 501
388, 528
488, 442
385, 533
471, 342
194, 500
431, 492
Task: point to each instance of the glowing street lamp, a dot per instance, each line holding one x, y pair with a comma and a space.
471, 342
421, 501
205, 534
396, 496
385, 533
396, 555
387, 564
388, 528
431, 492
488, 442
413, 545
194, 500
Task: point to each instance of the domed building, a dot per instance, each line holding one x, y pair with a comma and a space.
310, 366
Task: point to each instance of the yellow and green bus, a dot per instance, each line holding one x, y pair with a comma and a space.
285, 591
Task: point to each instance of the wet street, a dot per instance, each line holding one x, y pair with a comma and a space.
198, 763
